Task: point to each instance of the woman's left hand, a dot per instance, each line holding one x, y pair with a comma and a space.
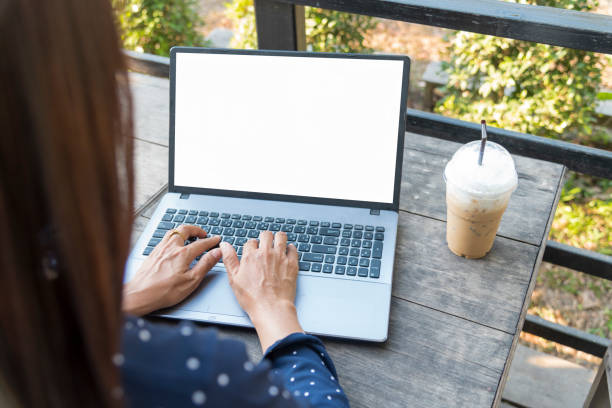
164, 279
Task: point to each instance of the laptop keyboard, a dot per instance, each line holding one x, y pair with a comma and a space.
323, 246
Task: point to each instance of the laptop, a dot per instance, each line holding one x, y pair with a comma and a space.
306, 143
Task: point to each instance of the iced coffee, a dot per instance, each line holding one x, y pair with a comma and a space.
477, 195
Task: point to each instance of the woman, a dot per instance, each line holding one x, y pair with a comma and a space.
66, 187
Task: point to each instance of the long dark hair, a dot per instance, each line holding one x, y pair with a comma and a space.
66, 187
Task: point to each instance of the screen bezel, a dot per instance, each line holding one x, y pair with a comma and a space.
283, 197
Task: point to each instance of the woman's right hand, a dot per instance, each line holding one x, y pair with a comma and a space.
264, 283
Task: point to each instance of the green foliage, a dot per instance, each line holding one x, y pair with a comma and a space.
326, 30
155, 26
527, 87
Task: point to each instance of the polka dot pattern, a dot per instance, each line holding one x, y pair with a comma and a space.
198, 397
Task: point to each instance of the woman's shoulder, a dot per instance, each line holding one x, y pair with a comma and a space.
181, 365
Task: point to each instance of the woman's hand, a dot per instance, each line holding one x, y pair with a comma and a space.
264, 283
165, 279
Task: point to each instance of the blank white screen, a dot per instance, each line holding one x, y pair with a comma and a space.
316, 127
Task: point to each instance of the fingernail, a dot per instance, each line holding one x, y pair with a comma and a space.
216, 253
223, 244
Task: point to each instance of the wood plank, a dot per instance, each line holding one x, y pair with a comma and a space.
151, 171
489, 291
583, 159
423, 188
280, 26
547, 25
541, 380
151, 108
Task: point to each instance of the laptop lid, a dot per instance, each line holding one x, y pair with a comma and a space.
290, 126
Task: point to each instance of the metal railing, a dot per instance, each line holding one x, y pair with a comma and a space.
280, 25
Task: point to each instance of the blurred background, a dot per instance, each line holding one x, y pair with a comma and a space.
532, 88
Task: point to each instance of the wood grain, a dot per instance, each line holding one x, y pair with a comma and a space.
423, 188
151, 171
151, 108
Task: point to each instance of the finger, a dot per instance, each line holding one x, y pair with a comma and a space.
292, 254
265, 239
196, 248
205, 264
189, 231
280, 241
250, 245
230, 259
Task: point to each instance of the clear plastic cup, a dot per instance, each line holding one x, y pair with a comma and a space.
477, 196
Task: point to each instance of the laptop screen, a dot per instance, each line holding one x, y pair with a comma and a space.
288, 125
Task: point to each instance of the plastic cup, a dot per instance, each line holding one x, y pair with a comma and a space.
477, 196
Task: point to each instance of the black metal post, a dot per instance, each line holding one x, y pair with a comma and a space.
280, 26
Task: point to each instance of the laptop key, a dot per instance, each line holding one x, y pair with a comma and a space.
229, 239
226, 223
369, 228
310, 257
328, 268
236, 216
253, 233
167, 217
366, 253
240, 241
348, 226
304, 266
302, 222
316, 267
214, 214
343, 251
300, 229
280, 220
257, 218
375, 263
159, 233
238, 224
374, 272
148, 250
193, 212
291, 236
340, 270
304, 247
287, 228
202, 220
246, 218
250, 224
216, 230
191, 219
365, 262
314, 223
368, 235
356, 243
363, 272
336, 225
154, 241
324, 249
179, 218
330, 259
303, 238
316, 239
341, 260
379, 236
291, 221
325, 224
346, 234
165, 225
262, 226
203, 213
358, 227
366, 244
269, 219
351, 271
345, 242
225, 215
214, 221
241, 232
330, 241
182, 211
352, 261
229, 231
377, 250
275, 227
312, 230
354, 252
171, 210
357, 234
329, 232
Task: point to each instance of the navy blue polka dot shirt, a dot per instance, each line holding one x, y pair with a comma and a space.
189, 366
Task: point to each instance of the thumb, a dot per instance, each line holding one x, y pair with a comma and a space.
207, 262
230, 259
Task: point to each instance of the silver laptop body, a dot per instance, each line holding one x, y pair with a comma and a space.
275, 140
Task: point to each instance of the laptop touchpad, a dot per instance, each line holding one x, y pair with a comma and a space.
214, 295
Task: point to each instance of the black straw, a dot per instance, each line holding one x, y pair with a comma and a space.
483, 141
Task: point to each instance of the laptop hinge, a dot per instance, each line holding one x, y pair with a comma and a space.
374, 212
184, 196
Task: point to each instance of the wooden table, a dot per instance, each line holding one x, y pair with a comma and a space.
454, 322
